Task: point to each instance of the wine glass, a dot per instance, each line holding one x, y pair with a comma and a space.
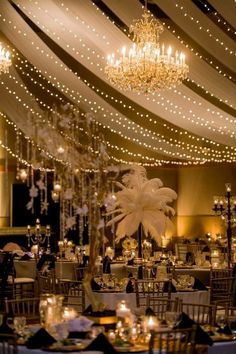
232, 325
172, 318
19, 323
221, 321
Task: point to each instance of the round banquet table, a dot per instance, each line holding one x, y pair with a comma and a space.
216, 348
112, 298
203, 274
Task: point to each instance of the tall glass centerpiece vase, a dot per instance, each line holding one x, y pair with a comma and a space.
142, 206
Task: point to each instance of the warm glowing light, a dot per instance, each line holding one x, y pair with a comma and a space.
5, 61
145, 68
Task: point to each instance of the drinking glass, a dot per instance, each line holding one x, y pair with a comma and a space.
172, 318
221, 321
232, 325
19, 323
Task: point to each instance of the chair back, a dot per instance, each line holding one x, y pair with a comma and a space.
220, 273
181, 341
28, 307
8, 344
160, 305
150, 287
73, 293
47, 282
201, 314
222, 289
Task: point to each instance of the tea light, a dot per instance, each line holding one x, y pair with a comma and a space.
111, 335
69, 313
123, 311
150, 323
215, 253
35, 249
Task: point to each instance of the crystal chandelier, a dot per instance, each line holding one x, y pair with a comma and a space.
146, 67
5, 61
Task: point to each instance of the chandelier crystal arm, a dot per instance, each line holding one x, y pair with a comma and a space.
147, 66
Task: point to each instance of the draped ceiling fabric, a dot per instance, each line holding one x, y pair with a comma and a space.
59, 53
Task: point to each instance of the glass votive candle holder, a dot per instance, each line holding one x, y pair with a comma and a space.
111, 335
123, 312
150, 323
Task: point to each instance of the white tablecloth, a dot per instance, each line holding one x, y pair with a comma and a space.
111, 299
217, 348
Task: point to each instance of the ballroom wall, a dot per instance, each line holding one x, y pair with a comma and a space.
196, 187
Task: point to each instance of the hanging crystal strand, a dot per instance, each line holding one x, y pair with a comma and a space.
112, 216
32, 183
41, 193
46, 191
90, 213
82, 218
18, 154
62, 218
28, 159
6, 164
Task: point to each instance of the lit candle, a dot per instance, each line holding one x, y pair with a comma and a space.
150, 323
69, 313
228, 187
122, 311
34, 249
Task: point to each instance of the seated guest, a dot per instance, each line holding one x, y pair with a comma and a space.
108, 260
46, 263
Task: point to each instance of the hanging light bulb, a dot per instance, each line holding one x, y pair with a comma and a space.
23, 175
57, 186
55, 196
60, 150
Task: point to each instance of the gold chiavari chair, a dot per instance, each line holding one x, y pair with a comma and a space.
151, 288
201, 314
47, 283
28, 308
160, 305
222, 289
220, 273
8, 344
181, 341
73, 293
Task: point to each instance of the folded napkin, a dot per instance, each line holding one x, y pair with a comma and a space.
101, 343
199, 285
225, 330
130, 262
130, 286
95, 286
4, 328
80, 324
201, 336
40, 339
166, 287
149, 312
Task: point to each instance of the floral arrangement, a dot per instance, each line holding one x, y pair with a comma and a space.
142, 201
129, 243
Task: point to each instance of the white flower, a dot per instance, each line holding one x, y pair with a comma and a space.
68, 194
33, 192
70, 222
142, 201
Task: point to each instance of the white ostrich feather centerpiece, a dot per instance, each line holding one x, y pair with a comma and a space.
142, 201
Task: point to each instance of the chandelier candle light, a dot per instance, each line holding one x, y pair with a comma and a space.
5, 61
37, 239
147, 66
225, 206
